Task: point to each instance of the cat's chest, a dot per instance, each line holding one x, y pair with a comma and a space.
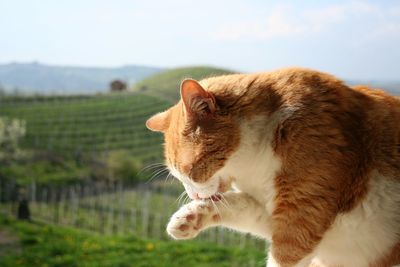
258, 180
254, 165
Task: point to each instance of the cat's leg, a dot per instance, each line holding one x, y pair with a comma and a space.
297, 229
236, 210
305, 262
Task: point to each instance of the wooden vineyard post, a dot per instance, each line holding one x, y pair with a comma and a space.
121, 210
221, 236
157, 222
102, 215
55, 205
23, 205
133, 222
145, 213
44, 207
61, 206
74, 206
242, 241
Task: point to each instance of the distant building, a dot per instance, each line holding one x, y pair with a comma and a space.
118, 86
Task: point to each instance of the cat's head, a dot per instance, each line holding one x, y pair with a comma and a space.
199, 137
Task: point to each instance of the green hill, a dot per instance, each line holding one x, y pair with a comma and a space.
87, 123
71, 138
166, 84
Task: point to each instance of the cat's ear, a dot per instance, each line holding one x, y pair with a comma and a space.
198, 102
159, 122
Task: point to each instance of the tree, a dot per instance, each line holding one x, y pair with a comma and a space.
117, 86
11, 131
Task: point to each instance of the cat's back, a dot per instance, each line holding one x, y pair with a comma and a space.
383, 117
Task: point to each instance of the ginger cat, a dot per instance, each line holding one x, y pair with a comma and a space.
314, 165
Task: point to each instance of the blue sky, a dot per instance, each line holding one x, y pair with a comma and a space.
352, 39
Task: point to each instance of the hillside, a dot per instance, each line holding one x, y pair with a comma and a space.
87, 123
166, 84
74, 138
41, 78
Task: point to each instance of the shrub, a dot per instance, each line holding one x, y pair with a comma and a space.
122, 166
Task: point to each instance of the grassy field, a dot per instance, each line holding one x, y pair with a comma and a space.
166, 84
41, 245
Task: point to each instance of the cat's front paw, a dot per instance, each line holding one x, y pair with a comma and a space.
192, 218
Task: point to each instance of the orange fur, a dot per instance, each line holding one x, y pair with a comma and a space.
330, 138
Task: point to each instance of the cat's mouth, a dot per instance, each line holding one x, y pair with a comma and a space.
217, 196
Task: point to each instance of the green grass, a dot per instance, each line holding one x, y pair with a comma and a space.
47, 245
166, 84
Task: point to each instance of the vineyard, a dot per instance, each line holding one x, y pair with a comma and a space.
75, 138
87, 123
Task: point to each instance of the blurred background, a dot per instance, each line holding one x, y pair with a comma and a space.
81, 179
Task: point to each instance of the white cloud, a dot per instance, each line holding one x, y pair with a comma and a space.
275, 25
289, 21
319, 19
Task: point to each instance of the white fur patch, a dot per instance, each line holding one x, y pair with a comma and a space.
254, 165
366, 233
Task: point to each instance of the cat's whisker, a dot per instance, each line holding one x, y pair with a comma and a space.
170, 177
166, 178
225, 201
224, 204
216, 207
151, 167
171, 181
183, 200
179, 199
187, 199
155, 175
